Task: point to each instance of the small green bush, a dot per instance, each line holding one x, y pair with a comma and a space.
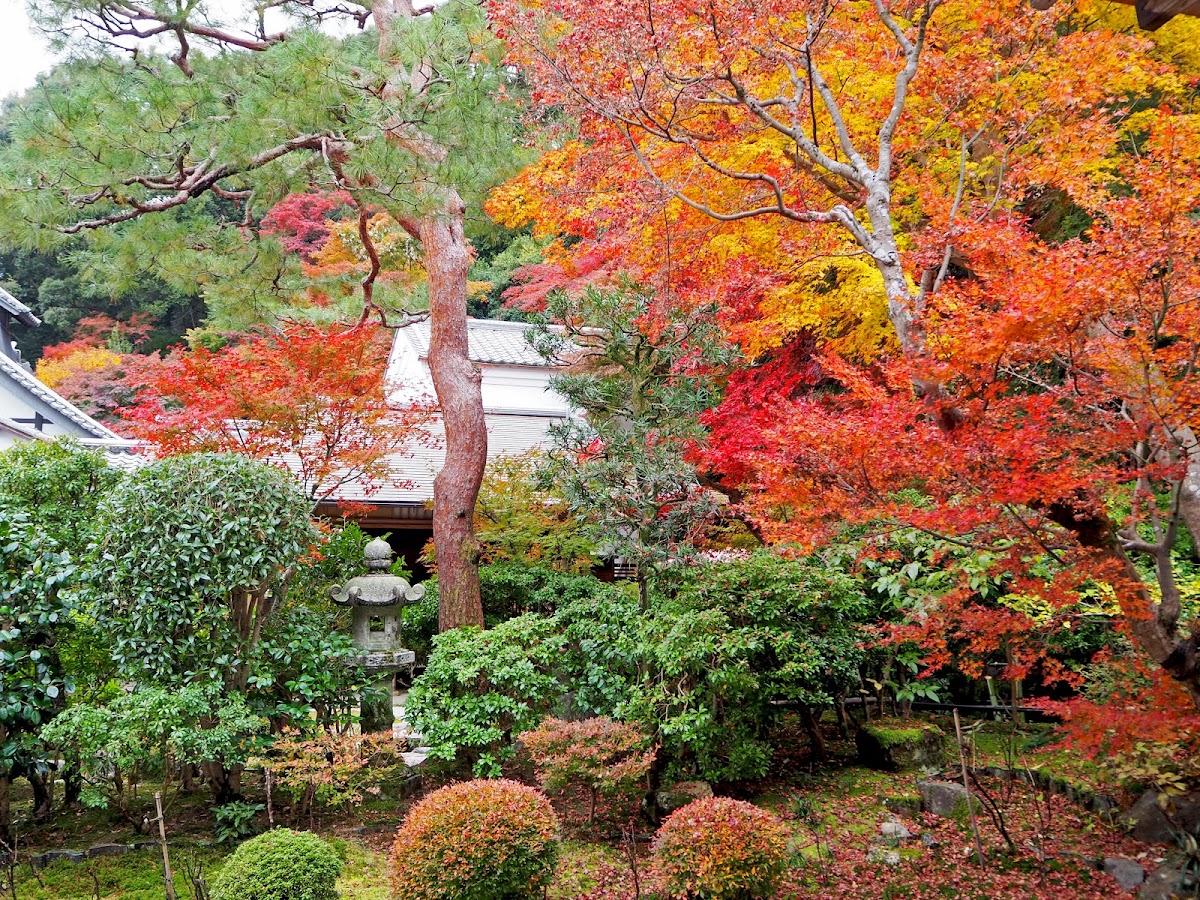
481, 688
280, 865
722, 849
476, 840
721, 651
509, 589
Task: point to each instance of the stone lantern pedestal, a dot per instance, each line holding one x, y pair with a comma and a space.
376, 600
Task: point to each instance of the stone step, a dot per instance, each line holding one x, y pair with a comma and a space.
416, 757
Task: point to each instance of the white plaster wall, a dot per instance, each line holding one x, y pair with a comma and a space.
521, 389
13, 406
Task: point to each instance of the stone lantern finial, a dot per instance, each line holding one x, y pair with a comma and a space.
378, 554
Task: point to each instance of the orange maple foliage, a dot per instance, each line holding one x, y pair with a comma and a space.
862, 187
1067, 378
712, 139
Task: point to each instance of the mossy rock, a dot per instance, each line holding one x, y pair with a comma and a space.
897, 745
903, 804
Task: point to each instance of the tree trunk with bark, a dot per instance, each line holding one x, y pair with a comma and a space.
7, 845
457, 383
225, 782
1153, 624
1189, 490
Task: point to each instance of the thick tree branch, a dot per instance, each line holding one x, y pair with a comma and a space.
188, 184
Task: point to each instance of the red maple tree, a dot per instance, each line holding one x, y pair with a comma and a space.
857, 186
301, 221
311, 397
1060, 430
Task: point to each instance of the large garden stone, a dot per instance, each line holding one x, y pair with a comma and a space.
50, 856
898, 745
676, 796
883, 856
944, 798
905, 804
1163, 882
895, 830
108, 850
1147, 821
1125, 872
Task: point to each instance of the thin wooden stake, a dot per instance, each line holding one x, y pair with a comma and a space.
270, 806
967, 787
168, 878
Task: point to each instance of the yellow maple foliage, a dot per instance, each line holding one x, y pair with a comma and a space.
1007, 102
53, 372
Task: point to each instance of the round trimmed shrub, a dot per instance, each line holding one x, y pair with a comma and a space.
477, 840
280, 865
722, 849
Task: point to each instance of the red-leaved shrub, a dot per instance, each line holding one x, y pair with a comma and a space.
603, 756
478, 840
722, 849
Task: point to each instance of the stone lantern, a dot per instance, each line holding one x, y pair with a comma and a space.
375, 600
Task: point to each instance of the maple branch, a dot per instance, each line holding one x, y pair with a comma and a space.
1167, 610
912, 53
863, 173
1036, 535
838, 214
761, 109
947, 254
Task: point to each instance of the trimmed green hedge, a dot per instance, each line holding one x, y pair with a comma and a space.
280, 865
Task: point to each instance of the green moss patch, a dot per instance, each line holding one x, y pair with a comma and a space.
898, 745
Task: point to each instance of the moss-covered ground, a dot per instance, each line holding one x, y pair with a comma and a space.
835, 810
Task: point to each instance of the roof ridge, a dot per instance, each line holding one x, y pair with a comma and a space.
15, 307
500, 324
23, 430
55, 399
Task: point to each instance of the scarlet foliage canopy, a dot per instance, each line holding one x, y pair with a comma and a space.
863, 189
301, 222
1050, 400
312, 397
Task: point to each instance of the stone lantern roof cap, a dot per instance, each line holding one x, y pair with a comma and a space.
378, 587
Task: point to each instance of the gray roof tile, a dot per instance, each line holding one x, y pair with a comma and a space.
19, 310
488, 341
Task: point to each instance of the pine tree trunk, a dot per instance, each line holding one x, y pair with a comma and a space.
457, 383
